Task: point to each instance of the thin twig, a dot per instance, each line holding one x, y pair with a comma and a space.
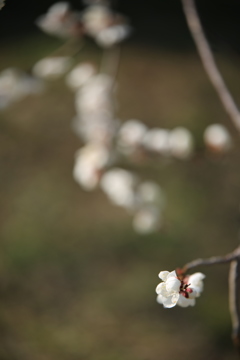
212, 260
234, 302
208, 61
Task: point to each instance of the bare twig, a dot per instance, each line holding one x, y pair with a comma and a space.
212, 260
234, 302
208, 61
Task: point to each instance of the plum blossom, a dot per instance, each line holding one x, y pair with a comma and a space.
52, 67
217, 138
15, 85
157, 140
181, 143
79, 75
60, 21
130, 136
106, 27
175, 291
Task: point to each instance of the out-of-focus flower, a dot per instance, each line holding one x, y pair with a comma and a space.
1, 4
95, 96
80, 75
173, 291
149, 192
52, 67
95, 128
119, 186
147, 219
130, 136
112, 35
181, 143
89, 162
105, 26
157, 140
15, 84
217, 138
60, 21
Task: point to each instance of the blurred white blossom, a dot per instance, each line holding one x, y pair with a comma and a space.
149, 192
106, 27
181, 143
130, 136
217, 138
15, 84
119, 185
79, 75
147, 219
60, 21
157, 140
173, 291
89, 162
112, 35
52, 67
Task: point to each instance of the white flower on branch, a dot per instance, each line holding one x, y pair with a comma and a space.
52, 68
119, 185
2, 4
175, 291
79, 75
106, 27
130, 136
147, 219
95, 128
15, 85
157, 140
181, 143
60, 21
217, 138
90, 160
112, 35
95, 96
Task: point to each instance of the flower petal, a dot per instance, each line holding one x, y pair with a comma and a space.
184, 302
163, 275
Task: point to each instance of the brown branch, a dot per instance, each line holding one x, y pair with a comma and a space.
234, 302
212, 260
208, 61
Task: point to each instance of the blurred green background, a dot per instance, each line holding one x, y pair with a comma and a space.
76, 282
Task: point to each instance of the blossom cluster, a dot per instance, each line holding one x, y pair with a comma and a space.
183, 291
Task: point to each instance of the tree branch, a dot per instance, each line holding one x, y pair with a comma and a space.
208, 61
234, 302
212, 260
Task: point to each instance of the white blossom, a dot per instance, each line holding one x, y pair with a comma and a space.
112, 35
119, 186
52, 67
217, 138
96, 18
157, 140
173, 291
89, 162
149, 192
60, 21
79, 75
15, 84
106, 27
130, 135
147, 219
95, 96
181, 143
